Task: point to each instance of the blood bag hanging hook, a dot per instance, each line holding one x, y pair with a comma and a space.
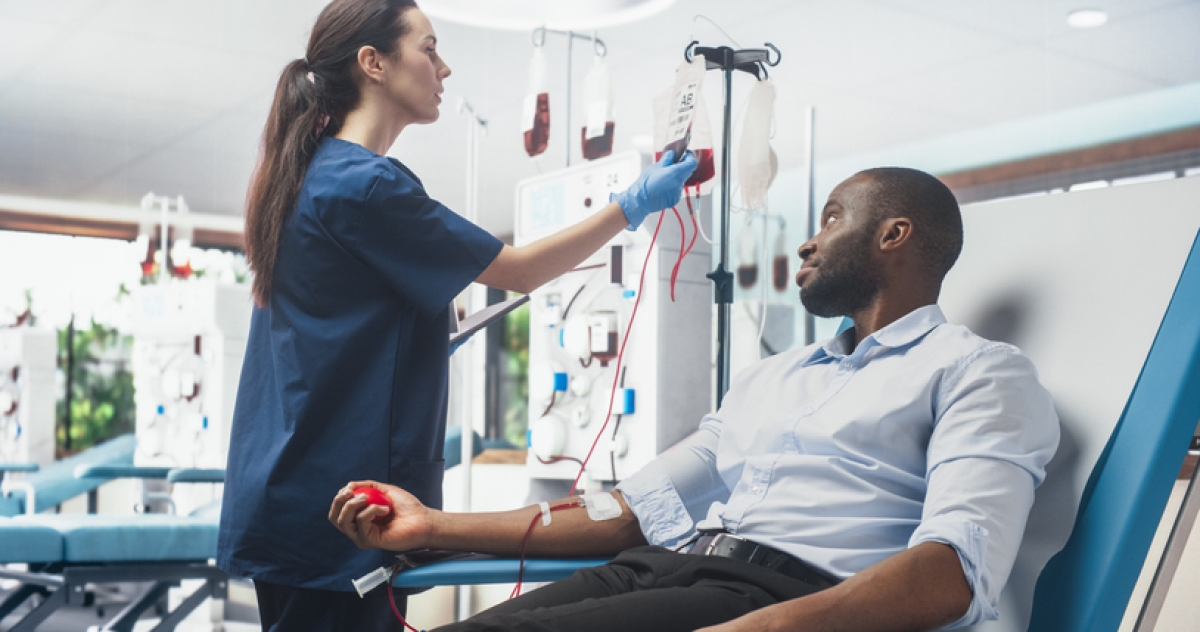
538, 37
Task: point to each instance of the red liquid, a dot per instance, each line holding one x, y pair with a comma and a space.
780, 273
747, 275
704, 167
538, 138
599, 146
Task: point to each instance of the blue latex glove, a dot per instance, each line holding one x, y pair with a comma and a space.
658, 187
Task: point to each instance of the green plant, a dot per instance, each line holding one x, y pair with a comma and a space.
101, 384
516, 347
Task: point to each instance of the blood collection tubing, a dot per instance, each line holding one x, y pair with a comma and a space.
607, 417
620, 354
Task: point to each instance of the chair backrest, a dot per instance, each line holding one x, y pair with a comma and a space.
1086, 586
56, 483
1081, 282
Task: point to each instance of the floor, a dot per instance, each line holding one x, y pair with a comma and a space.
239, 616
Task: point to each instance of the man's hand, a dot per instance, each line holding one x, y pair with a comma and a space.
407, 529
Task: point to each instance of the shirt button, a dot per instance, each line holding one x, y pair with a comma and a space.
757, 489
847, 365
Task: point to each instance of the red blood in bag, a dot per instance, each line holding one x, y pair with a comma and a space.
704, 167
599, 146
780, 276
376, 497
538, 137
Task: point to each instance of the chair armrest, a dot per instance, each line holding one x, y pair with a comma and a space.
185, 475
121, 471
491, 571
18, 467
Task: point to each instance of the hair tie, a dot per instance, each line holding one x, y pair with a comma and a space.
311, 78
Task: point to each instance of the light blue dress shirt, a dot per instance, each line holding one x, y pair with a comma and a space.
844, 457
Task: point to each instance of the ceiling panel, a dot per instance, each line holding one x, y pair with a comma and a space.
1025, 20
1161, 45
1023, 82
108, 99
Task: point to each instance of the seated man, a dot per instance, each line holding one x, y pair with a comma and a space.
879, 481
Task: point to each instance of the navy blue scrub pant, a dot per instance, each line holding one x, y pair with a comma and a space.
646, 588
290, 609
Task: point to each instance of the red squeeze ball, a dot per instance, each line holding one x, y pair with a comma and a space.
376, 497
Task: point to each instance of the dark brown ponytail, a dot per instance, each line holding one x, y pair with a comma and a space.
312, 99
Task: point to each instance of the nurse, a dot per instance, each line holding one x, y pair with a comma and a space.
355, 267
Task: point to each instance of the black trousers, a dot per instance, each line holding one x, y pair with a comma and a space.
290, 609
646, 588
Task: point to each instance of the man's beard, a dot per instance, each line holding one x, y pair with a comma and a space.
846, 280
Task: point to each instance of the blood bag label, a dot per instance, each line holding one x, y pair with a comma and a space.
528, 112
597, 118
683, 104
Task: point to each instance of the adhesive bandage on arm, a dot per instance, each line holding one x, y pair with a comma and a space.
601, 506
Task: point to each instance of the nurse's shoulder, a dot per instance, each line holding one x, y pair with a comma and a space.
345, 176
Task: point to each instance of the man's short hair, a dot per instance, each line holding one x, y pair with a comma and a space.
903, 192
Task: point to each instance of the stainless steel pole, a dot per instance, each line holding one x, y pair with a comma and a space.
723, 306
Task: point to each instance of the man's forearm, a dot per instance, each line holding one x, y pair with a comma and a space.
570, 533
922, 588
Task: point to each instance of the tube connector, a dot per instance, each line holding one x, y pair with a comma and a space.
370, 581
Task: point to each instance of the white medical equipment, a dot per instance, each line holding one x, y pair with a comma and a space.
28, 356
577, 323
189, 340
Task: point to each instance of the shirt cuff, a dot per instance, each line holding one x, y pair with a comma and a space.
969, 541
660, 511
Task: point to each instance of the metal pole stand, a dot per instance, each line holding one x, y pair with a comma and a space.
727, 60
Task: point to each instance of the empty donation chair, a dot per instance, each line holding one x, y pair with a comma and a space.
65, 553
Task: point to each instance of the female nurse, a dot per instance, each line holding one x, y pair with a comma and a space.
355, 268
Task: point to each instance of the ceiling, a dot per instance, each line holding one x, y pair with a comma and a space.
105, 100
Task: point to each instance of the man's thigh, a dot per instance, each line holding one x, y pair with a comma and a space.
644, 589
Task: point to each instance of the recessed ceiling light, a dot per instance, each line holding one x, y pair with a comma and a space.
1086, 18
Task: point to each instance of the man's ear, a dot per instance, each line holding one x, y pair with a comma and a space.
895, 233
370, 62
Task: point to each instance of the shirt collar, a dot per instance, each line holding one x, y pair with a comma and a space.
903, 331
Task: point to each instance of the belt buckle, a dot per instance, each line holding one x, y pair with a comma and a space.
721, 538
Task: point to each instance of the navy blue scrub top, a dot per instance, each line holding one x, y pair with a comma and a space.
345, 371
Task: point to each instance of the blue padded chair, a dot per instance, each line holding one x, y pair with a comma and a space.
68, 552
56, 483
1087, 585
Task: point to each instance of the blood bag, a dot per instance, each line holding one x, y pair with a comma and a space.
747, 271
756, 163
681, 123
535, 113
598, 119
779, 262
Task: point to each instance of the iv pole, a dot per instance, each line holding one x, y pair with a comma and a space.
469, 366
726, 59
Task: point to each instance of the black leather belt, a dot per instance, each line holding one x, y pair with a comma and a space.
733, 547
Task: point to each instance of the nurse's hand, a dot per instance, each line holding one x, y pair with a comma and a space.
407, 529
658, 187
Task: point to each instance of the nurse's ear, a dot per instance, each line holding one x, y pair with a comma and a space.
371, 64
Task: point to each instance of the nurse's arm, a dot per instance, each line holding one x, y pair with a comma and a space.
524, 269
570, 533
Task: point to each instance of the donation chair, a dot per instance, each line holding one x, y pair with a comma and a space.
47, 487
1087, 585
67, 554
